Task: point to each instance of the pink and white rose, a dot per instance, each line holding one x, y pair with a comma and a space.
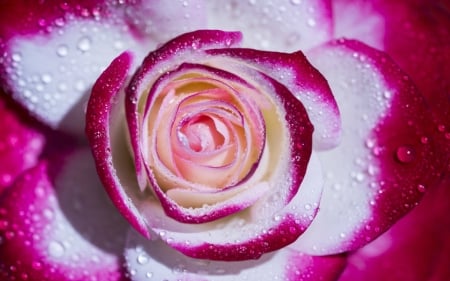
263, 154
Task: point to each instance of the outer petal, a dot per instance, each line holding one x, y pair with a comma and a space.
417, 248
423, 24
20, 144
287, 25
56, 224
154, 260
387, 155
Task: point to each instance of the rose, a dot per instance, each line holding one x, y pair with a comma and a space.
218, 140
40, 259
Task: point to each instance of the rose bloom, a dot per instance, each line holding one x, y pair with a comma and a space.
231, 140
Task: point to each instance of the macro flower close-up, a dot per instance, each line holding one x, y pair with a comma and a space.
224, 140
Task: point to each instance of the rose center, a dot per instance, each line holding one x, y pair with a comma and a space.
200, 134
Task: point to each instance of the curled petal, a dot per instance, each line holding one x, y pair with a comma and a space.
104, 123
387, 156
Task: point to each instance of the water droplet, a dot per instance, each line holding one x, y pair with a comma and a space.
142, 258
46, 78
84, 44
296, 2
16, 57
56, 249
3, 224
359, 177
311, 22
387, 94
36, 265
149, 275
308, 206
405, 154
424, 140
62, 50
293, 230
421, 188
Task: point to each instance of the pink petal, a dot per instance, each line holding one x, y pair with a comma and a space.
422, 24
387, 154
57, 224
287, 25
417, 248
312, 89
105, 124
154, 260
21, 143
54, 51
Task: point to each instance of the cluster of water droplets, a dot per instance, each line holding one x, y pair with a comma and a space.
293, 19
51, 73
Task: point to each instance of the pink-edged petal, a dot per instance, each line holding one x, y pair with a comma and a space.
311, 89
249, 235
161, 20
422, 24
105, 128
286, 25
148, 260
387, 154
417, 248
56, 223
53, 52
21, 143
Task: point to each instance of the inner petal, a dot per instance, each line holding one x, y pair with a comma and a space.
201, 134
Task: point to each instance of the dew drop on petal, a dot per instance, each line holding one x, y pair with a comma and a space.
62, 50
56, 249
421, 188
296, 2
424, 140
142, 258
405, 154
36, 265
84, 44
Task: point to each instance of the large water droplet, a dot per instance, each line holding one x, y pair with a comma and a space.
84, 44
421, 188
142, 258
56, 249
62, 50
16, 57
405, 154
